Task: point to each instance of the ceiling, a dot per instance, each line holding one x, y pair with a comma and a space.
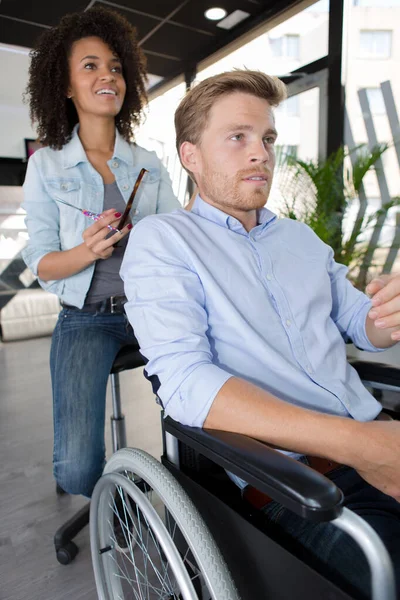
174, 34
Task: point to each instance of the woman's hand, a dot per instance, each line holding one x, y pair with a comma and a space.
97, 238
97, 244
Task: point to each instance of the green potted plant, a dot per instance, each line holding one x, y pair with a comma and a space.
320, 193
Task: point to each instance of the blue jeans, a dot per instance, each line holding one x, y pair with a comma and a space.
331, 550
83, 349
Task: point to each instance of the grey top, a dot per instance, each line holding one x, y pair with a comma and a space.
106, 281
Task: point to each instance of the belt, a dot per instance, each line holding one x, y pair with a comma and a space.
259, 500
113, 304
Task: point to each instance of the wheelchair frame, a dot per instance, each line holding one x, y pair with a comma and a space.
271, 570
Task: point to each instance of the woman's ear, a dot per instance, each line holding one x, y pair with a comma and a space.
189, 156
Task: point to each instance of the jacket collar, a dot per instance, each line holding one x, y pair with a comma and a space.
74, 153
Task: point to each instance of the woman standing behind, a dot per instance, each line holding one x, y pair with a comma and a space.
86, 92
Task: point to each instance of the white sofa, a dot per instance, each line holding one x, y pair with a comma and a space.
30, 313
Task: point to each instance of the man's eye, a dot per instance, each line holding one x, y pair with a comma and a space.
237, 136
269, 140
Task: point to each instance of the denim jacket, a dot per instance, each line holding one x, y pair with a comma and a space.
68, 175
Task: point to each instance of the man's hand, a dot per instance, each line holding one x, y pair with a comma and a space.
383, 321
377, 457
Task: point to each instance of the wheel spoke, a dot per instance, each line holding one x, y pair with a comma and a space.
157, 561
163, 577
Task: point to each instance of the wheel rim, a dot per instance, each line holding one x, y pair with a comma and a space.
149, 566
215, 581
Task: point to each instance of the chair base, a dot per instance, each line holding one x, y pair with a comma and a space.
65, 548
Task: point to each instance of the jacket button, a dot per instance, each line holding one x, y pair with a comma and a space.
125, 187
64, 186
115, 164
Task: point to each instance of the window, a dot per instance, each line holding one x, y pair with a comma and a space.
377, 3
375, 44
287, 46
375, 100
289, 107
282, 152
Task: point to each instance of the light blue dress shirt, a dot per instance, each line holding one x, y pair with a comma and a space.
68, 175
208, 301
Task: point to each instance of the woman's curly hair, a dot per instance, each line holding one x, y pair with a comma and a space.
54, 114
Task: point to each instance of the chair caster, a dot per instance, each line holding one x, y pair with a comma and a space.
67, 553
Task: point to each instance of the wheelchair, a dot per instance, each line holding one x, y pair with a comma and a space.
150, 522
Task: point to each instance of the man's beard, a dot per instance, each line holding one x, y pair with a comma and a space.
225, 191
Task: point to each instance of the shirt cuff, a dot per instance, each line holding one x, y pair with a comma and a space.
360, 338
191, 403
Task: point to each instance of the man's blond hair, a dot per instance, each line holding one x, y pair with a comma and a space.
193, 111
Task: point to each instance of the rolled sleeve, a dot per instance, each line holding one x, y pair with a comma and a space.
350, 308
202, 384
166, 310
42, 220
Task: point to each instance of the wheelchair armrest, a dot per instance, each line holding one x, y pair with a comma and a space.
289, 482
377, 372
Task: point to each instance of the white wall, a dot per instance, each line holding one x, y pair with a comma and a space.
14, 115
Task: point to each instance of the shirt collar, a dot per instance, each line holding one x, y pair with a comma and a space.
74, 152
207, 211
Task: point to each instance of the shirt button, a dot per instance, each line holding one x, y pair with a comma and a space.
309, 370
269, 277
288, 322
115, 164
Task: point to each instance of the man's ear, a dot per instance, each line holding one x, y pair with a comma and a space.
189, 156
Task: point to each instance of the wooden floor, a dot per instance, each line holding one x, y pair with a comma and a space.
30, 510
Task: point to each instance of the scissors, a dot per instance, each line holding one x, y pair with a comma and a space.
92, 215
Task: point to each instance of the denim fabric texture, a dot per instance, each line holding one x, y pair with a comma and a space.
84, 344
83, 349
68, 175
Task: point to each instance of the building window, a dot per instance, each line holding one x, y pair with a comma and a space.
375, 100
287, 46
375, 44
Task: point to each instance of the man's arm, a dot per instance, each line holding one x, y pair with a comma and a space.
374, 324
372, 448
166, 307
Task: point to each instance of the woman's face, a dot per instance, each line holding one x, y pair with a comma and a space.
96, 84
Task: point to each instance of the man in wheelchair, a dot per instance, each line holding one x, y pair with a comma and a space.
243, 318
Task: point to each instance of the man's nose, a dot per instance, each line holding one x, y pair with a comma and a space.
259, 153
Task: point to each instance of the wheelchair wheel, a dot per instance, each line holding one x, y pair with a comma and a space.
168, 553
